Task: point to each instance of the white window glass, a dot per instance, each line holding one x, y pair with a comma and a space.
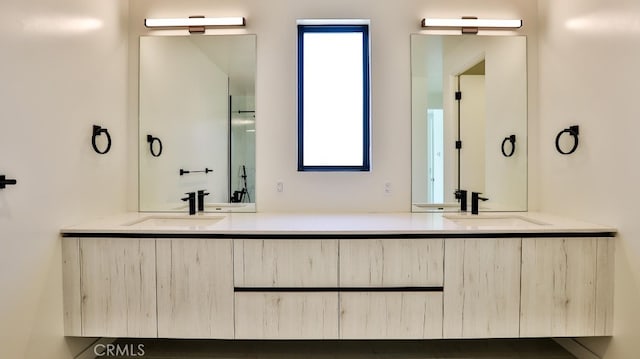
334, 101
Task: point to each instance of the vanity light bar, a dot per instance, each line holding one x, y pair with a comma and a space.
194, 22
471, 23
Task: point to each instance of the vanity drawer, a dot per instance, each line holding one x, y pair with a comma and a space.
285, 263
286, 315
391, 262
391, 315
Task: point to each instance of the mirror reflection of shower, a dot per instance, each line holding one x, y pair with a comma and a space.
242, 159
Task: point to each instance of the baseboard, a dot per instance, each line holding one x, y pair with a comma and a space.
89, 352
575, 348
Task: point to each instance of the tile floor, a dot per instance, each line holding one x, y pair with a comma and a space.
443, 349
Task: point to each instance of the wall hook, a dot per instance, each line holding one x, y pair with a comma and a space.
97, 131
4, 182
574, 131
511, 139
151, 140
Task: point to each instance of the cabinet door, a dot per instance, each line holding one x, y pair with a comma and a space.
391, 315
482, 288
285, 263
118, 287
71, 292
286, 315
391, 262
195, 288
566, 287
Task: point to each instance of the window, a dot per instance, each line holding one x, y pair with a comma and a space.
333, 98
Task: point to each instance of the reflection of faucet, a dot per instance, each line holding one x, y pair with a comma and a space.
201, 195
191, 197
461, 194
475, 198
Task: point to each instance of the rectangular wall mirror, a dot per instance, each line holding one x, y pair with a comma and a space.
197, 121
469, 121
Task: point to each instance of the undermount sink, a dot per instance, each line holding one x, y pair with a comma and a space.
176, 221
485, 220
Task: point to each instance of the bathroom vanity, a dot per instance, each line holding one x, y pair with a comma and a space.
338, 276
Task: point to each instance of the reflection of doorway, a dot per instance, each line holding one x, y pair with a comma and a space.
472, 118
435, 157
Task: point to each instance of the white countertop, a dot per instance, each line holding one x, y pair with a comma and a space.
335, 224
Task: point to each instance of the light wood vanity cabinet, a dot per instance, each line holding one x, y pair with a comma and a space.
482, 288
398, 262
390, 315
567, 287
266, 271
338, 288
127, 287
109, 287
286, 315
195, 288
392, 288
285, 263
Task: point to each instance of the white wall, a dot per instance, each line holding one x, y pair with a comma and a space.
274, 23
419, 128
63, 68
589, 56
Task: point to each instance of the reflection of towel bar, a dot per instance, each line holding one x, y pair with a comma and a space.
511, 139
184, 172
151, 140
97, 131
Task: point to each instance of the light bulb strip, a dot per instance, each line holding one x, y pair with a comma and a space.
194, 21
472, 23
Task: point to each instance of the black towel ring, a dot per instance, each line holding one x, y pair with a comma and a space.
512, 140
574, 131
151, 140
97, 131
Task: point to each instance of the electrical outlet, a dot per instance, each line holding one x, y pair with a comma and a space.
280, 186
387, 187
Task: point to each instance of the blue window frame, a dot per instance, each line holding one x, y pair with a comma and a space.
333, 98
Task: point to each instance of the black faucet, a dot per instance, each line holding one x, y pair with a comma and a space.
201, 194
191, 197
475, 198
461, 194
